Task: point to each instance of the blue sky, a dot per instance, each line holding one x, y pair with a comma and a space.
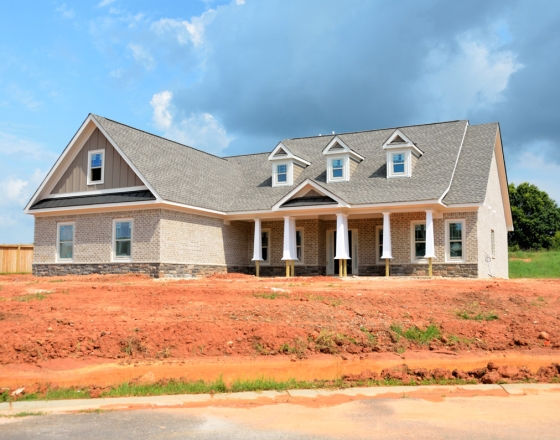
235, 77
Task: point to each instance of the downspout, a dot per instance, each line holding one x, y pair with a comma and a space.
454, 168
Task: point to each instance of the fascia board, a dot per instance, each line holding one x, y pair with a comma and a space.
502, 174
128, 161
67, 151
346, 148
315, 186
89, 208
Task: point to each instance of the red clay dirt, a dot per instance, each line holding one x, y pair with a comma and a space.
95, 329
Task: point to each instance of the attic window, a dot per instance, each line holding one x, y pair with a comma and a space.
282, 173
96, 162
398, 163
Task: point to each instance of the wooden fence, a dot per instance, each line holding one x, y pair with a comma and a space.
16, 258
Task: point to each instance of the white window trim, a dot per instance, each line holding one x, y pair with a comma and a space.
114, 240
345, 168
301, 262
65, 260
289, 174
413, 258
266, 262
407, 163
378, 259
448, 259
97, 182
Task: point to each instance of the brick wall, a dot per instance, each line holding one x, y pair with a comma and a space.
491, 216
196, 239
93, 236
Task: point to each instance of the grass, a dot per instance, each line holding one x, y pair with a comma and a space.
173, 387
23, 414
490, 316
32, 297
543, 264
371, 338
415, 334
272, 295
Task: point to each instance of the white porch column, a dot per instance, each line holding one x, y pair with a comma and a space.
430, 250
387, 251
293, 243
342, 250
287, 255
257, 245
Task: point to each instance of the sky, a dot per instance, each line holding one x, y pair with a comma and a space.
236, 77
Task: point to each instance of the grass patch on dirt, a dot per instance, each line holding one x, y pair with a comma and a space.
38, 296
490, 316
272, 295
416, 334
22, 414
543, 264
58, 394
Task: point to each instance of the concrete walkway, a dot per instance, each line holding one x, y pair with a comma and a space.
75, 405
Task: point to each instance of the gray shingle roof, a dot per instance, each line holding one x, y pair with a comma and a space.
471, 176
244, 183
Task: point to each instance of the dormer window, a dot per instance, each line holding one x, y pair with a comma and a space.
398, 163
337, 168
282, 173
286, 167
96, 165
402, 154
341, 160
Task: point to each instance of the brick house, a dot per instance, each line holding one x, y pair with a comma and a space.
402, 201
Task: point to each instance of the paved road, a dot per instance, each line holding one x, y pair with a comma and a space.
482, 417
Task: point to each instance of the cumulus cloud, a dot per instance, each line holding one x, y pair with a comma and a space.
11, 144
198, 130
459, 82
103, 3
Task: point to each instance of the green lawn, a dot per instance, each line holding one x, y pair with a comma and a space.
534, 264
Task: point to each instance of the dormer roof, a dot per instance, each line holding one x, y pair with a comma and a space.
338, 146
399, 140
281, 152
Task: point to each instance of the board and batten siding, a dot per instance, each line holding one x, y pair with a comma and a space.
117, 172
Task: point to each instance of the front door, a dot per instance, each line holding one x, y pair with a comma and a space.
348, 262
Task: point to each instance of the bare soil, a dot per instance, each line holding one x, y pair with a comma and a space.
66, 326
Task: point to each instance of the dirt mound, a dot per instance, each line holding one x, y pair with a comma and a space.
129, 317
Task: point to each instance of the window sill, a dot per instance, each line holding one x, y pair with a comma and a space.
64, 261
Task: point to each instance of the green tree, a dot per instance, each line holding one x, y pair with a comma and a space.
536, 217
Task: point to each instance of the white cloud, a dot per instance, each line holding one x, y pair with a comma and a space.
13, 190
200, 130
142, 56
103, 3
23, 97
186, 30
473, 78
65, 11
160, 103
239, 2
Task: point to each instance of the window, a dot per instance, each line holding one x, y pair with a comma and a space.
122, 245
398, 163
418, 242
493, 243
379, 234
337, 169
299, 246
96, 162
65, 245
282, 173
265, 246
454, 232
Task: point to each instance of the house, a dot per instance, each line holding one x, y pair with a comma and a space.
415, 200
